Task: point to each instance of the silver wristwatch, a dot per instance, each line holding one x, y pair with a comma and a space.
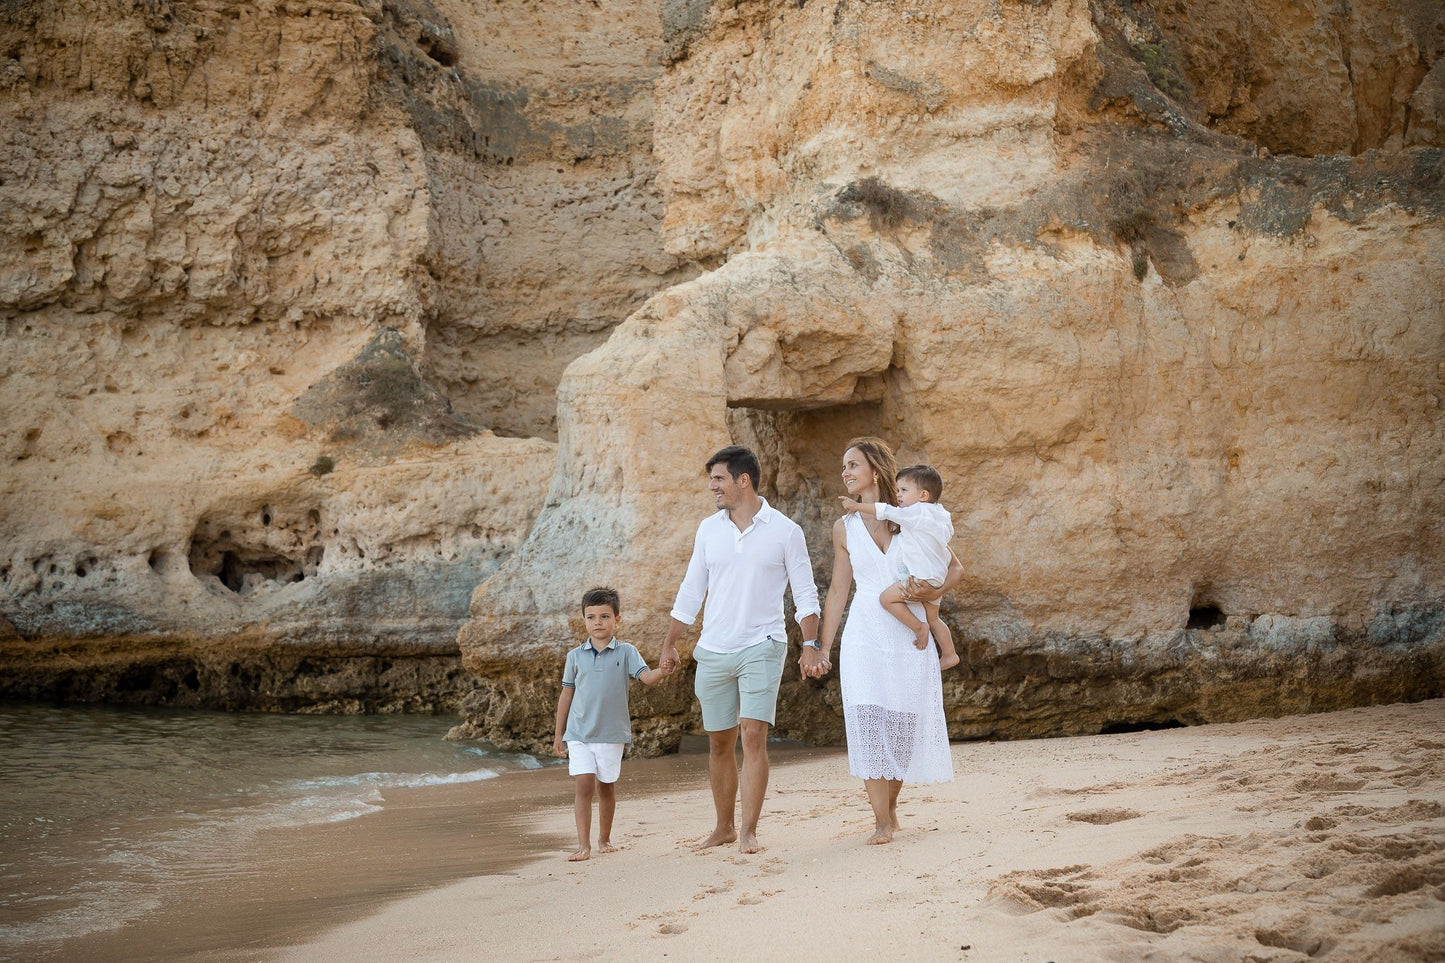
812, 644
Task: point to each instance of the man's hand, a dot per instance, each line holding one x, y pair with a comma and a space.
670, 657
813, 664
669, 666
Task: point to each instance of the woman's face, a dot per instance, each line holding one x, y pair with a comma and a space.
857, 473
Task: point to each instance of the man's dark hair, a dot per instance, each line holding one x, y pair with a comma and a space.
738, 461
602, 595
925, 477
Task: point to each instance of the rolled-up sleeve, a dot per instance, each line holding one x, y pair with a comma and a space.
800, 577
694, 585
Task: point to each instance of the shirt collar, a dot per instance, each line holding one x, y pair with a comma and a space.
610, 645
765, 513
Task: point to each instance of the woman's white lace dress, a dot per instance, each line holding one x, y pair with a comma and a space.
892, 692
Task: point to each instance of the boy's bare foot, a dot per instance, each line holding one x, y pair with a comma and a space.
718, 837
579, 856
749, 844
881, 835
947, 660
604, 847
922, 641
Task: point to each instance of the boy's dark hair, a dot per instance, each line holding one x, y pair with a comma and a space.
738, 461
602, 595
925, 477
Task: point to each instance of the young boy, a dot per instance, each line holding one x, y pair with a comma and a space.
925, 530
592, 716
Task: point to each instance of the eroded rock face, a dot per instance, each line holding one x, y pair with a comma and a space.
1186, 399
255, 450
289, 290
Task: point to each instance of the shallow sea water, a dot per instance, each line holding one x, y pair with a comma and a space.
110, 815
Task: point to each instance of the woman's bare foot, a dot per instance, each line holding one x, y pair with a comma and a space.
605, 847
718, 837
579, 856
749, 844
922, 641
881, 835
947, 660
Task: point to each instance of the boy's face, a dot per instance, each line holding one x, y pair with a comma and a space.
601, 622
909, 493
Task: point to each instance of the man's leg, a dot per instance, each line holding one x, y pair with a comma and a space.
722, 773
754, 781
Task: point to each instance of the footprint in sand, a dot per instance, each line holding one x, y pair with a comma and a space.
672, 929
772, 866
721, 886
1103, 817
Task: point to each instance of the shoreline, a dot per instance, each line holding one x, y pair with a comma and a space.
1275, 839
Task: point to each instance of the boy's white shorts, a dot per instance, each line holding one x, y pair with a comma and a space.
602, 759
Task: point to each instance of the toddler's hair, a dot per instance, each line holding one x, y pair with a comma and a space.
602, 595
925, 477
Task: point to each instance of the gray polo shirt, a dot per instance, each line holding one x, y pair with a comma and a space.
599, 710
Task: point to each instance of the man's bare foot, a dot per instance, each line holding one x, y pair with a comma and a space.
881, 835
605, 847
947, 660
922, 641
718, 837
579, 856
749, 844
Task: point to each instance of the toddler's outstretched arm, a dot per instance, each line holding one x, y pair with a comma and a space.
849, 505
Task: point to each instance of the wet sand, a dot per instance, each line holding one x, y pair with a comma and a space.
1311, 837
289, 884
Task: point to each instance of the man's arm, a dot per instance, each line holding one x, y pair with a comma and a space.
690, 595
805, 596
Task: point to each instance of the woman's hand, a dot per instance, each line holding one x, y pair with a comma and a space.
916, 591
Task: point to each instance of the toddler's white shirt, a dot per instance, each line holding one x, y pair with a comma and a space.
925, 529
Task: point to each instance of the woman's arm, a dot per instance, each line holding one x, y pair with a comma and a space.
917, 591
838, 588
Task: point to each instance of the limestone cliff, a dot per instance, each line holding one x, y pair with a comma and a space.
314, 320
1185, 395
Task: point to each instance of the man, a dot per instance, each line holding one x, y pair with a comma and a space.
742, 559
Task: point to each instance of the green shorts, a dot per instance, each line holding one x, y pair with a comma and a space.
735, 685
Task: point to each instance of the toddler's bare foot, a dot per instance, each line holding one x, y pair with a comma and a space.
922, 641
606, 847
749, 844
881, 835
579, 856
947, 660
719, 837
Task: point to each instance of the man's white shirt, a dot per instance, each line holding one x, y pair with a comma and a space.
742, 575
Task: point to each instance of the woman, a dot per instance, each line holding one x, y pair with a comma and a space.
892, 691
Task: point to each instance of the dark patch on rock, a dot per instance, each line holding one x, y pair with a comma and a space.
683, 21
379, 402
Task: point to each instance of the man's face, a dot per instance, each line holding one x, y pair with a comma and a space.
601, 624
725, 489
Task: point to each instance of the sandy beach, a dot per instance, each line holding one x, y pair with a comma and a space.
1311, 837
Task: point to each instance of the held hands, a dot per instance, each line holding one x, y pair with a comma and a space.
668, 665
813, 664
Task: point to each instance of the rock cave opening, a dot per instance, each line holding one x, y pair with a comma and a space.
1205, 615
256, 551
801, 452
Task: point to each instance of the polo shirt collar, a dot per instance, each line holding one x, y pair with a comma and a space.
610, 645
